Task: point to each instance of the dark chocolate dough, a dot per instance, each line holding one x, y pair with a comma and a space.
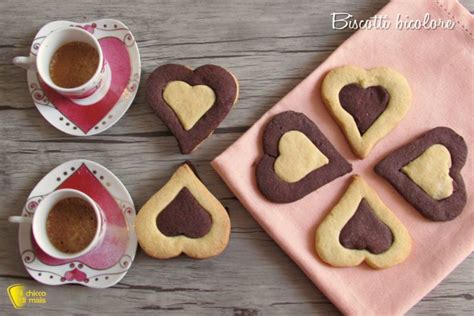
366, 231
184, 216
270, 184
217, 78
435, 210
365, 105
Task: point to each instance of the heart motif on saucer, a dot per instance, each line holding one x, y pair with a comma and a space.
427, 172
192, 103
100, 111
110, 261
361, 228
297, 159
366, 104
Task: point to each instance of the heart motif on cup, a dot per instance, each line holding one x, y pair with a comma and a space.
360, 227
192, 103
366, 104
416, 169
311, 161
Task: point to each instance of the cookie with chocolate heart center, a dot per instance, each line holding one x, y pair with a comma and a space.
192, 103
183, 217
361, 228
297, 159
366, 104
427, 172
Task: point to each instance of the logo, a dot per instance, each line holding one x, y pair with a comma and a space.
20, 296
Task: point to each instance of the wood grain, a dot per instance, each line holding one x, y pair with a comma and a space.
270, 46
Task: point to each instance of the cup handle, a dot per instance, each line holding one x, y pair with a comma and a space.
24, 62
20, 219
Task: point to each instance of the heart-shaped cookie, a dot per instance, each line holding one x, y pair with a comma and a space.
366, 104
298, 157
284, 183
183, 217
192, 103
418, 171
361, 228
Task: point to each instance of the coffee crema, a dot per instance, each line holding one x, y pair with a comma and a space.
73, 64
71, 225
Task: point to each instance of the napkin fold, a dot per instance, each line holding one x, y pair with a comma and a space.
439, 67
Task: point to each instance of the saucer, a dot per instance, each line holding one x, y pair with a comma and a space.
110, 102
109, 262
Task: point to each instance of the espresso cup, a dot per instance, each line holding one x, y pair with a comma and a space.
40, 217
56, 39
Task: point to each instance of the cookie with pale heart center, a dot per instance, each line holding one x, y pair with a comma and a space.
297, 159
361, 228
366, 104
183, 217
427, 172
192, 103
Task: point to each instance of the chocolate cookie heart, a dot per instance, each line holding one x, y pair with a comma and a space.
184, 216
365, 105
210, 90
393, 169
366, 231
277, 189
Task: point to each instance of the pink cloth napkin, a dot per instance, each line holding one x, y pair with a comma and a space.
439, 67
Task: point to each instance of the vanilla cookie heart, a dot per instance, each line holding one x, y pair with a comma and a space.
297, 159
430, 171
183, 217
427, 172
192, 103
361, 228
189, 103
366, 104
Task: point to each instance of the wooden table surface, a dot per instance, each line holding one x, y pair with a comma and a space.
270, 46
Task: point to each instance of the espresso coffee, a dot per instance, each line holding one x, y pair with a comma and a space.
73, 64
71, 225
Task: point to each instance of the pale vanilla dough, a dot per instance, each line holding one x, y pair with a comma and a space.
298, 157
430, 171
189, 103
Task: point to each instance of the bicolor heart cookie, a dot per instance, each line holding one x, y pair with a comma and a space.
297, 159
361, 228
427, 172
192, 103
183, 217
366, 104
